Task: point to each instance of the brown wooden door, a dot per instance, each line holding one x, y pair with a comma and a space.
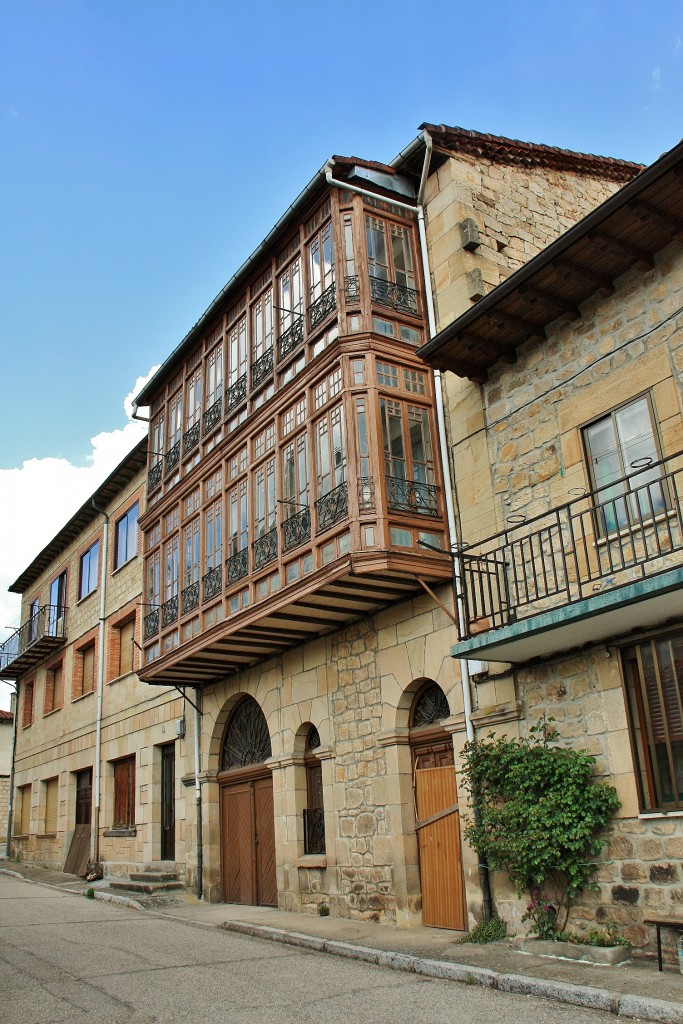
438, 829
168, 802
79, 851
248, 842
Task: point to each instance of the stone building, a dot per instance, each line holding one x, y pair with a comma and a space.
566, 436
298, 578
94, 764
6, 734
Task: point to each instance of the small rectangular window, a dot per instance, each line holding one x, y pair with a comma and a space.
51, 805
126, 647
27, 706
126, 540
124, 793
87, 577
54, 689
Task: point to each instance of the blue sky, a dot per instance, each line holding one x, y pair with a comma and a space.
147, 147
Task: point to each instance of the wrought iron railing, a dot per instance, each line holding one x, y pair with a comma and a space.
189, 598
191, 438
398, 296
297, 529
262, 369
602, 540
212, 416
352, 289
265, 548
237, 392
172, 458
322, 307
333, 506
290, 339
366, 493
155, 474
412, 496
151, 624
169, 611
213, 582
238, 565
48, 623
314, 830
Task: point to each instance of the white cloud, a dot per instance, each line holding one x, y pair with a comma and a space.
41, 496
656, 79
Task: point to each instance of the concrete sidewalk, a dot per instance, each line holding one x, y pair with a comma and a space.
634, 990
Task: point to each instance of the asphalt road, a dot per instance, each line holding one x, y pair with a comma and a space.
64, 958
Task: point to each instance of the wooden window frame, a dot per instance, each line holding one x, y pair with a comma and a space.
131, 547
53, 698
28, 703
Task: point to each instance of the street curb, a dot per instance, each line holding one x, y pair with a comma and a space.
639, 1007
107, 897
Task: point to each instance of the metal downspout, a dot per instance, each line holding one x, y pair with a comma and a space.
100, 684
8, 850
198, 791
465, 677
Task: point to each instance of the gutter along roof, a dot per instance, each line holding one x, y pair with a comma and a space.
127, 469
625, 231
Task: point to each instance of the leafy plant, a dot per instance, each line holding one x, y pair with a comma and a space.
487, 931
538, 812
89, 894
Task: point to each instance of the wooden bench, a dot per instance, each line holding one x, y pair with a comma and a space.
663, 922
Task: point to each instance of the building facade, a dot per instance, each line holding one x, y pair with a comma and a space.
567, 476
297, 532
94, 778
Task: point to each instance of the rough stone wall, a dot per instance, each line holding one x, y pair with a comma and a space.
4, 806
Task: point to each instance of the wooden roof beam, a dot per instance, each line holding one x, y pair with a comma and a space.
528, 327
638, 256
564, 308
600, 282
673, 226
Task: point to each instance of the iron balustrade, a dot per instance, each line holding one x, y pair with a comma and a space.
290, 339
151, 624
213, 582
154, 476
314, 830
412, 496
389, 293
189, 598
322, 307
262, 369
366, 493
297, 529
212, 416
352, 289
238, 565
47, 624
609, 537
191, 438
237, 392
172, 457
169, 611
332, 506
265, 548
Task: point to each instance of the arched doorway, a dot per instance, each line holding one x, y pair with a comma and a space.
436, 811
246, 801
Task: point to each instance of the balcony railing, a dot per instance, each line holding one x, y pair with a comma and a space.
322, 307
262, 369
190, 598
412, 496
154, 475
33, 640
265, 549
172, 457
191, 438
332, 506
398, 296
213, 582
238, 565
237, 392
151, 624
290, 339
605, 539
297, 529
212, 416
169, 611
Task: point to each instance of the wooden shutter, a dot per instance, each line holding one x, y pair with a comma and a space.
124, 793
27, 710
88, 658
662, 669
126, 636
25, 810
51, 793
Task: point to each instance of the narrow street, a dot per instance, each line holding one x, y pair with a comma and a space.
64, 958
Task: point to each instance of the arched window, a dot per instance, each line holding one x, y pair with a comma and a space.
314, 814
429, 707
246, 740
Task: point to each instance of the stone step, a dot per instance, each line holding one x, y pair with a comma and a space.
154, 876
147, 887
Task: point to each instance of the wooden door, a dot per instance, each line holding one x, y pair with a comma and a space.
248, 842
438, 829
78, 856
168, 802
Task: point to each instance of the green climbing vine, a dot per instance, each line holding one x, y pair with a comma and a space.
538, 812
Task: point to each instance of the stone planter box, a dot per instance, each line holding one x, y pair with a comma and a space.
608, 955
